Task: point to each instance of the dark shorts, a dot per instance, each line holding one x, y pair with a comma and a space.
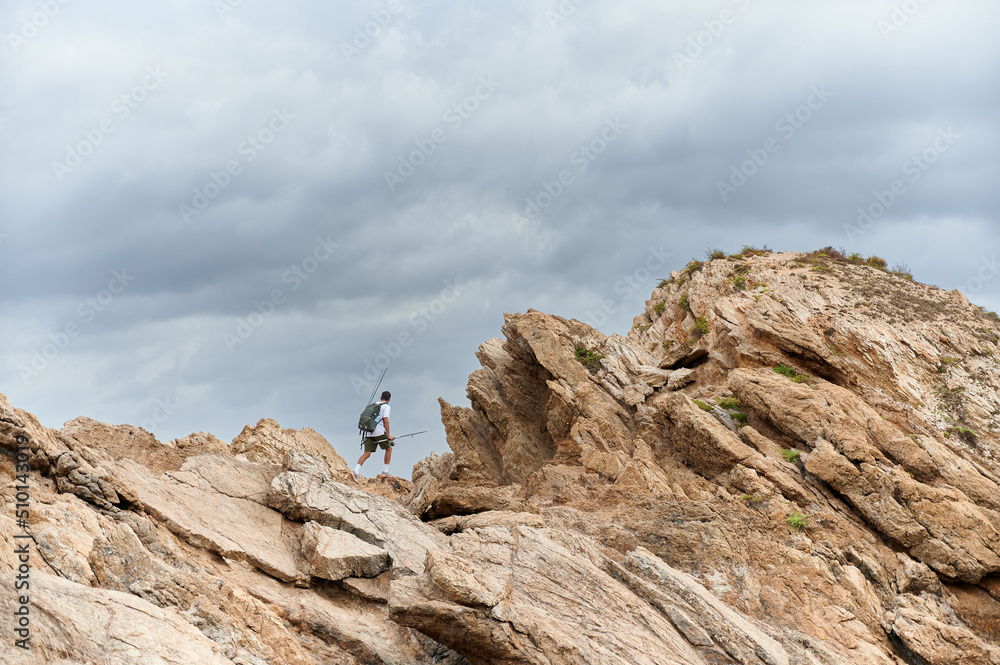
373, 442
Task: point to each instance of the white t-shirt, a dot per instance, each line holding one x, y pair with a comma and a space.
383, 413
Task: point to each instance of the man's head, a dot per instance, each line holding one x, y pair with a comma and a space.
386, 396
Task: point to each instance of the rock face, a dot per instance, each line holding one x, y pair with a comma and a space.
790, 460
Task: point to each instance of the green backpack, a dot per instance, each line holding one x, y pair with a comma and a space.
369, 418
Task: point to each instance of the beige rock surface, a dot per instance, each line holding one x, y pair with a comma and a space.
78, 624
268, 443
513, 595
334, 555
845, 511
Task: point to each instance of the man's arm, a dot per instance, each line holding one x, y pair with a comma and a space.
385, 423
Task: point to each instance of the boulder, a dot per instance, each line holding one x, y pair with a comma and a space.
334, 555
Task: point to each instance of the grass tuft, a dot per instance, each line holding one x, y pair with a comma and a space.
790, 455
700, 328
797, 521
793, 375
588, 357
876, 262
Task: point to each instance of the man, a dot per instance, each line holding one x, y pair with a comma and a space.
379, 437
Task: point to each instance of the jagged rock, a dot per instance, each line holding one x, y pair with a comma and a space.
375, 589
111, 442
459, 523
215, 502
74, 623
930, 631
860, 456
916, 577
679, 378
586, 511
435, 466
334, 555
499, 595
267, 442
374, 519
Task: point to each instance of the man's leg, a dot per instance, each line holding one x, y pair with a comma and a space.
388, 456
361, 460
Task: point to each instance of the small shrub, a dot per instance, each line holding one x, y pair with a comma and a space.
715, 254
790, 455
664, 282
702, 405
797, 521
754, 251
741, 269
588, 357
685, 304
728, 402
740, 283
700, 328
902, 270
946, 363
855, 257
652, 347
876, 262
659, 307
794, 376
751, 498
829, 252
963, 432
692, 267
823, 269
739, 417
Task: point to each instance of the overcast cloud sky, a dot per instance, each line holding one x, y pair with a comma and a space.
214, 212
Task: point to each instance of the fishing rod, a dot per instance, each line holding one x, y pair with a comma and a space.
406, 435
371, 398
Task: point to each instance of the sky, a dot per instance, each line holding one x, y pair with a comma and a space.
220, 211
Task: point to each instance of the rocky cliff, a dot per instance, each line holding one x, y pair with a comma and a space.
789, 460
